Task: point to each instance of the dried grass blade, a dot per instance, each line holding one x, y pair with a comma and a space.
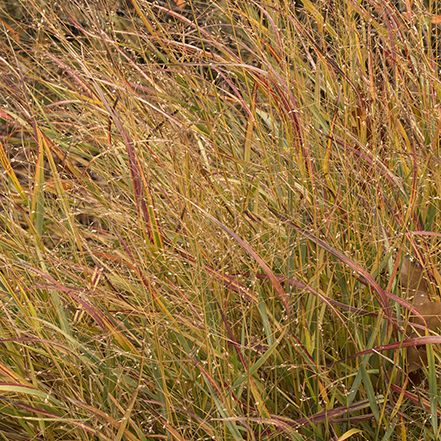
10, 172
383, 297
140, 186
62, 420
409, 343
272, 278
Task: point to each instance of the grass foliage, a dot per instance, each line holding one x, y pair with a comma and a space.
204, 210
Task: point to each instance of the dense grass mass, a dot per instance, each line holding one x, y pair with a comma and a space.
204, 211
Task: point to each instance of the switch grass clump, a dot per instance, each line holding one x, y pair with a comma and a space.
206, 210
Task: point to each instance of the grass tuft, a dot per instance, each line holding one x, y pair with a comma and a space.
204, 211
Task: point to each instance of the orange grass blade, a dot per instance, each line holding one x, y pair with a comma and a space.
9, 170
